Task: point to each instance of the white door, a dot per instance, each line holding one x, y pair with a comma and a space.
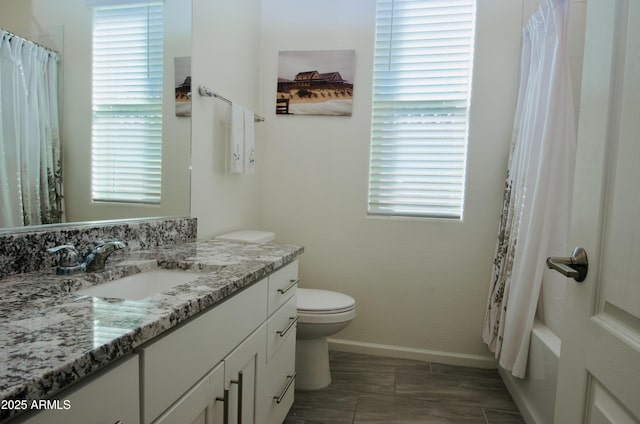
599, 375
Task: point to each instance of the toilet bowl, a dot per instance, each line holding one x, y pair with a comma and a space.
321, 313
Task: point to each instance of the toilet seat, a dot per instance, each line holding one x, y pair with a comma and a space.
324, 306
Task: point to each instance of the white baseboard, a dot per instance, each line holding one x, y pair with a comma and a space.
404, 352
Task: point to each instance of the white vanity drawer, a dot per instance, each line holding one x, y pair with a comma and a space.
177, 361
279, 389
282, 285
281, 325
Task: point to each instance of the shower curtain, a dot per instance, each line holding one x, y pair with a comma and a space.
537, 197
30, 162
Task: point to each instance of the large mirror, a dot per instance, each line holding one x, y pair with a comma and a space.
65, 26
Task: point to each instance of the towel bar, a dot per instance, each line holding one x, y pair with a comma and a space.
207, 92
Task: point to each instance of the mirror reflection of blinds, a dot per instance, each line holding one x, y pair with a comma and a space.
422, 84
127, 103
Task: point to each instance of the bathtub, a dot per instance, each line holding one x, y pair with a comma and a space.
536, 394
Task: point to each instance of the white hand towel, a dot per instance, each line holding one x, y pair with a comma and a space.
249, 142
236, 148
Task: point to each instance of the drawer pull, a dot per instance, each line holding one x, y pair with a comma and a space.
290, 380
292, 285
239, 383
225, 406
292, 322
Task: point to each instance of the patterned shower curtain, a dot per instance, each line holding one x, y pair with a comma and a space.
537, 197
30, 159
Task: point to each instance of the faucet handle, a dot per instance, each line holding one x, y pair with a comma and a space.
117, 244
68, 255
69, 262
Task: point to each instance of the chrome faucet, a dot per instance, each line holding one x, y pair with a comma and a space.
94, 260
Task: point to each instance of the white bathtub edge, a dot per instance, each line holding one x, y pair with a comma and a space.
522, 402
535, 395
551, 339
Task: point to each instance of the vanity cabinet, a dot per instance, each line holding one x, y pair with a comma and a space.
110, 397
230, 388
243, 369
172, 365
280, 380
279, 376
237, 359
199, 405
240, 356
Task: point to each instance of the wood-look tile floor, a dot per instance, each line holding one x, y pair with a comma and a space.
376, 390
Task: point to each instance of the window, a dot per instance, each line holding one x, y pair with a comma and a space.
126, 130
422, 84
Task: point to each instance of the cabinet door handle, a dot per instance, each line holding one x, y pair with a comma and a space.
239, 383
225, 406
290, 380
292, 322
290, 286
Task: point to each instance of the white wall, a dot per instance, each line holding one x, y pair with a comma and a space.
225, 59
420, 285
70, 23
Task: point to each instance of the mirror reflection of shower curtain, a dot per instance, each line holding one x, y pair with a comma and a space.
30, 161
537, 199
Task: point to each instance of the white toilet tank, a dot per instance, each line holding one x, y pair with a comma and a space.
252, 236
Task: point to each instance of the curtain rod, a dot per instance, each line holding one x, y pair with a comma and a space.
10, 34
207, 92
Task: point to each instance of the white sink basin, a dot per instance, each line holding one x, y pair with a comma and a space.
139, 286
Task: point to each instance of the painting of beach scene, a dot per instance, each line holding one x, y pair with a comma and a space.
315, 82
183, 85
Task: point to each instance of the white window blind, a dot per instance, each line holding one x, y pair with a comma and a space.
422, 84
127, 103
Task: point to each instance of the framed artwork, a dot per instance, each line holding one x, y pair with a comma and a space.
183, 85
315, 82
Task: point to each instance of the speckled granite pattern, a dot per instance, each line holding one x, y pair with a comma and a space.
51, 337
25, 250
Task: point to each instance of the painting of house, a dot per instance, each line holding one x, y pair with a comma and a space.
183, 85
305, 78
315, 82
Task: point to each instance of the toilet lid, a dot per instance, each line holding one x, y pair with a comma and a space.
323, 301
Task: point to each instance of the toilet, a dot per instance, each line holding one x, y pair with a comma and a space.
321, 313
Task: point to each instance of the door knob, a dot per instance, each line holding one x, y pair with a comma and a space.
575, 266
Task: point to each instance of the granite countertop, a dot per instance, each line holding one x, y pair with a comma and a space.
51, 337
